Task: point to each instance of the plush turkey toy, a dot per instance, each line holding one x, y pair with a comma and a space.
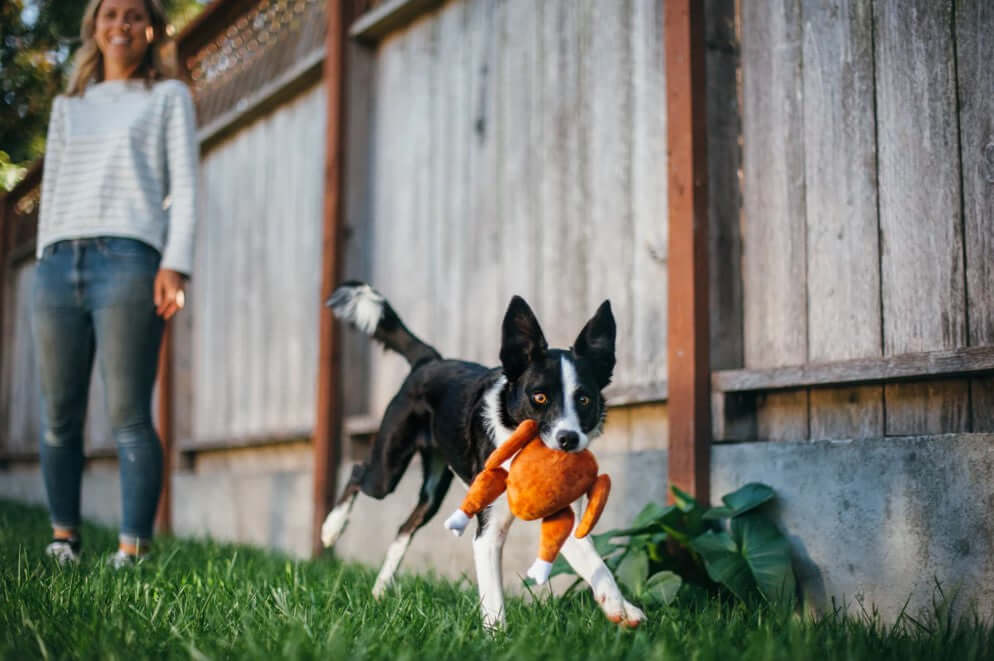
541, 484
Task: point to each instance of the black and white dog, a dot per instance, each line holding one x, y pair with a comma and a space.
454, 413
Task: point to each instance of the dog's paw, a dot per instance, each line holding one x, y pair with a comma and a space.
539, 571
617, 609
457, 523
633, 616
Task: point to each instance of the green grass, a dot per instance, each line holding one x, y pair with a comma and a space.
202, 600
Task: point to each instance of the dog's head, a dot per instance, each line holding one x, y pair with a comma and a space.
560, 389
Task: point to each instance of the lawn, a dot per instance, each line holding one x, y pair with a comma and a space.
205, 600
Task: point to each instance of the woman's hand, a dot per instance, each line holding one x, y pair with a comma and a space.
168, 292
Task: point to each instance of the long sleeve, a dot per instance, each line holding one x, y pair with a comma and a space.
55, 141
182, 161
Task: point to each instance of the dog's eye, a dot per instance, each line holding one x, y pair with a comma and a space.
540, 399
583, 400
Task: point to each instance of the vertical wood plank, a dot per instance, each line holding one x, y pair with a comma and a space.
688, 337
724, 189
774, 242
975, 78
516, 127
843, 283
608, 220
563, 117
922, 271
482, 265
650, 220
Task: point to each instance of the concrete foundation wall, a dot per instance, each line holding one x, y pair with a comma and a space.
873, 521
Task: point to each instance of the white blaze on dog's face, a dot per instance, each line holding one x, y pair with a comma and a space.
561, 390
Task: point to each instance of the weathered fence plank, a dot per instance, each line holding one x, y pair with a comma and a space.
649, 214
774, 244
922, 280
724, 188
843, 273
974, 54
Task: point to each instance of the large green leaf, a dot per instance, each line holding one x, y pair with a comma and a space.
741, 501
748, 497
663, 586
651, 513
767, 553
633, 570
725, 564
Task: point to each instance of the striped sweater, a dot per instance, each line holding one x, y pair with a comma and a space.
121, 160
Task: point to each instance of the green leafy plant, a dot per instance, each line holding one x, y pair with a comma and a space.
734, 549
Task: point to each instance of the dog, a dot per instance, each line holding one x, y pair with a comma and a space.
454, 413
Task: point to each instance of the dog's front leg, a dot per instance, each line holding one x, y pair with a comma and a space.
583, 557
488, 546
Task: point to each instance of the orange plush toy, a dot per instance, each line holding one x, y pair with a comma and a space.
541, 484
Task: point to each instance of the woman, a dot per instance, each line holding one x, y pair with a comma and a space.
113, 259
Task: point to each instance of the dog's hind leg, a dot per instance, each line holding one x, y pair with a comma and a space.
379, 474
334, 524
437, 478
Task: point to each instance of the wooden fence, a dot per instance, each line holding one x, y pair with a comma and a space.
500, 147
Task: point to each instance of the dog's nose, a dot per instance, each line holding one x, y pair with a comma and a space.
567, 439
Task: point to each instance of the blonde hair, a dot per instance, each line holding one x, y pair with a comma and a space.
88, 64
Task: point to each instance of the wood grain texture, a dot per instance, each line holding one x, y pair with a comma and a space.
922, 269
841, 209
774, 244
724, 187
607, 78
646, 357
254, 353
975, 79
940, 406
861, 370
774, 241
847, 412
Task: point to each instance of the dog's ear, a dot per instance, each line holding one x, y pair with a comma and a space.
595, 343
522, 339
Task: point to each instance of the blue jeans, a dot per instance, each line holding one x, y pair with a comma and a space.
94, 297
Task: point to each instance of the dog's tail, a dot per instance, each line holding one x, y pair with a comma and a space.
368, 311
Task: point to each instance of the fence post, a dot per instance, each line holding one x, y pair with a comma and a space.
688, 340
328, 417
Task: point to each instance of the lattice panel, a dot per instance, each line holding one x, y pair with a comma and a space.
255, 49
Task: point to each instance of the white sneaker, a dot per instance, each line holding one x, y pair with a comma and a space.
122, 560
64, 551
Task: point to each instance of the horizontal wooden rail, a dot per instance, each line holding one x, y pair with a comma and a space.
387, 17
924, 365
190, 446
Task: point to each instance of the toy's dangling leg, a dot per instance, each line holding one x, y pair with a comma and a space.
596, 500
555, 529
485, 489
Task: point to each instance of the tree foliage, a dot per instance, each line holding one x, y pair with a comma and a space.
37, 41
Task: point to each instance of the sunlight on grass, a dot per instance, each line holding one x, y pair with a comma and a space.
205, 600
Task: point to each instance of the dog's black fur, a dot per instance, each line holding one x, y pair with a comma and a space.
445, 409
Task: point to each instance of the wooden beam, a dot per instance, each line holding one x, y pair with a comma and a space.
164, 515
925, 365
688, 328
389, 16
328, 417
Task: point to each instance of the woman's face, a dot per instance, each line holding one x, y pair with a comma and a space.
121, 33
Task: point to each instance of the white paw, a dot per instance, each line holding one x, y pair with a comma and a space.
457, 523
539, 571
333, 526
380, 588
633, 615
